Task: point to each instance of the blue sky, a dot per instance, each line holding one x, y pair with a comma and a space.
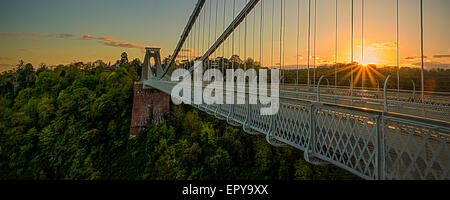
151, 23
64, 31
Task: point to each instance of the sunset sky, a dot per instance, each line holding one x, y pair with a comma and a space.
61, 32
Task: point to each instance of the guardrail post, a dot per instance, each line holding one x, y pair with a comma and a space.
378, 88
247, 104
386, 106
318, 88
351, 91
313, 130
380, 148
311, 133
414, 91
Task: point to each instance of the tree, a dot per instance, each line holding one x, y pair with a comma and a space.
123, 58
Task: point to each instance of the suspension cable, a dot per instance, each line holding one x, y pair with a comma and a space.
271, 56
398, 51
298, 33
232, 45
284, 40
421, 50
281, 36
215, 31
352, 51
362, 43
223, 43
200, 35
209, 29
245, 40
253, 37
315, 40
203, 31
362, 31
261, 35
189, 51
197, 39
309, 36
336, 45
239, 41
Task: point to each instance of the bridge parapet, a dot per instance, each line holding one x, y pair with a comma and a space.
370, 143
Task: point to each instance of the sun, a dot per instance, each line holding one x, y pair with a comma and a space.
365, 74
366, 64
369, 61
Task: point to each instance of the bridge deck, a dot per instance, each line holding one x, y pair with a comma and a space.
367, 142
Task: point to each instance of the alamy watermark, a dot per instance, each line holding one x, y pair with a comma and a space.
208, 88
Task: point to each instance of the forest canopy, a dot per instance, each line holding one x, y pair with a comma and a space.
72, 122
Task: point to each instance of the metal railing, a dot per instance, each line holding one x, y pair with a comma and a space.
370, 143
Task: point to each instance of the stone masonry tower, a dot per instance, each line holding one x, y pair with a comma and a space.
150, 106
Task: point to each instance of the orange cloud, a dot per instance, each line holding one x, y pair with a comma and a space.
386, 45
441, 56
85, 37
30, 36
109, 41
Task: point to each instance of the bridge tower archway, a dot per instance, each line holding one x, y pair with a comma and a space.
151, 69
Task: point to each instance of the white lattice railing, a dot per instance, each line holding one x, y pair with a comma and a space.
368, 143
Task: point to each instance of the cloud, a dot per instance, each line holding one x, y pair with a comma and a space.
11, 35
105, 40
441, 56
432, 64
31, 36
35, 35
85, 37
386, 45
64, 35
109, 41
414, 57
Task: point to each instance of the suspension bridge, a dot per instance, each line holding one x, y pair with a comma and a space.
375, 132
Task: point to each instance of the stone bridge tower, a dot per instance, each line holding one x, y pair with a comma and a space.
150, 106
